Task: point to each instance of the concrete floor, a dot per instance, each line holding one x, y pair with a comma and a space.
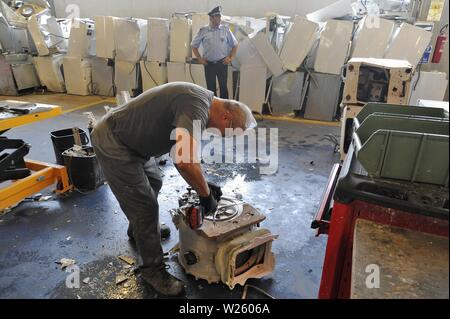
91, 228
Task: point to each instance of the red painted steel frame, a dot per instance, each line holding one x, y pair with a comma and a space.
337, 266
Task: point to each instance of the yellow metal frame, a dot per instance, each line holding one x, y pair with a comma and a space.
43, 176
6, 124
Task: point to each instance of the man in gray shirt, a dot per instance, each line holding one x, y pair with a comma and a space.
127, 139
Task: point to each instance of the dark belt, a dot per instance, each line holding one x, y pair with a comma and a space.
215, 62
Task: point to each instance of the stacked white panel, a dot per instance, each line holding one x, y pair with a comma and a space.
82, 39
372, 37
180, 39
298, 42
130, 38
268, 54
77, 74
49, 72
252, 87
176, 71
409, 43
158, 40
195, 73
102, 77
104, 33
126, 76
333, 46
153, 74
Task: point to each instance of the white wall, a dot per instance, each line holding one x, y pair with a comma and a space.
164, 8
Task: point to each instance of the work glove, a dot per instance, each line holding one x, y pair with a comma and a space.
209, 203
215, 190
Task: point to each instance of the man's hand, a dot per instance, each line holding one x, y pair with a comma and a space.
227, 60
209, 203
215, 190
202, 61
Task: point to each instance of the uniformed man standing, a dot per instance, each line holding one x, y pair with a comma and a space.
219, 50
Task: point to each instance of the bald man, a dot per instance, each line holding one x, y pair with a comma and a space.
127, 140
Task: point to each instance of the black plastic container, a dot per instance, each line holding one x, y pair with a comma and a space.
63, 140
84, 171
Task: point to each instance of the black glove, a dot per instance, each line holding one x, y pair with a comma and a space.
215, 190
209, 203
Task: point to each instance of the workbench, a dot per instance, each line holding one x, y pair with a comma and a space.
42, 174
410, 264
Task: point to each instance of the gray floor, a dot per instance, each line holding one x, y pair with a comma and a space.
91, 228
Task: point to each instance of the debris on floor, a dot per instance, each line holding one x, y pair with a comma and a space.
66, 262
45, 198
261, 291
129, 260
121, 278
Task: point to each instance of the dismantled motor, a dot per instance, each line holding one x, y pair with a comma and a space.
226, 246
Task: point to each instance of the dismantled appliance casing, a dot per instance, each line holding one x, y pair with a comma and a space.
49, 69
377, 80
230, 248
78, 75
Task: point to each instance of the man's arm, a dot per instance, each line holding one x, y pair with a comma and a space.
233, 42
195, 44
230, 58
187, 162
198, 56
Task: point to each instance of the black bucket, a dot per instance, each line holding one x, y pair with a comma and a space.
84, 172
63, 140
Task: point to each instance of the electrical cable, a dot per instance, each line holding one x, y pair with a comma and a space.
148, 72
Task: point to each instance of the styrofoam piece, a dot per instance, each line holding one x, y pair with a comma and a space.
82, 39
130, 38
195, 73
77, 75
102, 77
287, 92
298, 42
104, 34
268, 54
428, 86
335, 10
333, 46
49, 71
176, 72
409, 43
158, 40
153, 74
126, 76
372, 37
46, 34
252, 87
180, 39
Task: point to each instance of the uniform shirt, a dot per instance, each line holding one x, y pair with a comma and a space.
217, 42
145, 123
